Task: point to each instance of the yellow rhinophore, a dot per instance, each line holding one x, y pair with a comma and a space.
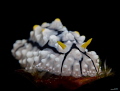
57, 19
61, 44
86, 43
77, 32
35, 26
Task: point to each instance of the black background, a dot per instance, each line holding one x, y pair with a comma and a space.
100, 23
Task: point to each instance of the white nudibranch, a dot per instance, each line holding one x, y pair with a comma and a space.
52, 48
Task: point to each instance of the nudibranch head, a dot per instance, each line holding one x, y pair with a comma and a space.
54, 49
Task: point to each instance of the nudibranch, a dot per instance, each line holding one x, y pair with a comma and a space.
54, 49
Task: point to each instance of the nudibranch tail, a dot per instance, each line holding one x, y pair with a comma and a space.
54, 49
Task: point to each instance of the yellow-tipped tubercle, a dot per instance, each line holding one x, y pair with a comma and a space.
34, 27
61, 44
86, 43
44, 22
77, 32
43, 30
57, 19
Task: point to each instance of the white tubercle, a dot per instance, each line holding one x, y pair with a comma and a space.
45, 39
32, 35
93, 52
36, 53
85, 73
39, 52
65, 37
76, 69
50, 63
69, 42
24, 52
29, 54
89, 53
24, 41
81, 39
88, 61
70, 36
18, 54
45, 24
59, 48
36, 59
64, 70
24, 61
43, 64
98, 60
84, 68
20, 61
95, 56
43, 60
43, 54
93, 68
52, 56
58, 66
37, 32
38, 37
56, 45
53, 40
47, 64
70, 60
97, 65
57, 59
18, 41
76, 35
15, 45
63, 29
65, 66
28, 46
30, 61
56, 24
86, 50
77, 55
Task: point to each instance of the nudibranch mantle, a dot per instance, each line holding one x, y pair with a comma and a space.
54, 49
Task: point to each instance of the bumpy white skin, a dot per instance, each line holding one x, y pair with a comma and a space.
30, 57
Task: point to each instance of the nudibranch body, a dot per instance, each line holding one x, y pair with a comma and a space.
54, 49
